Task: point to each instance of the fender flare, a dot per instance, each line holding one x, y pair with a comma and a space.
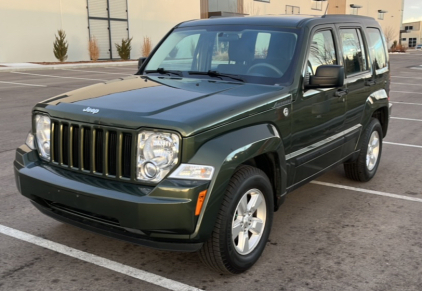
226, 153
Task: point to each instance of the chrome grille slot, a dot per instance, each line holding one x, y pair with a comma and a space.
126, 155
86, 153
65, 145
99, 143
93, 150
75, 146
112, 150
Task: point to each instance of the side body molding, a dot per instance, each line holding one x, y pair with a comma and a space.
225, 153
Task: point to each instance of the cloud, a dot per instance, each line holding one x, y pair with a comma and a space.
415, 7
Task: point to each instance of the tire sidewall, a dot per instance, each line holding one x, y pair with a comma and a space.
373, 126
243, 262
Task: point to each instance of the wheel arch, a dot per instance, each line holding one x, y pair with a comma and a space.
258, 145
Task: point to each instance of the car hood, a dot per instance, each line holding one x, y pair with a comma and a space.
188, 106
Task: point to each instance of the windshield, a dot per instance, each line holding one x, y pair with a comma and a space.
256, 55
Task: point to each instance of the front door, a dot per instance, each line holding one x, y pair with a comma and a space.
318, 115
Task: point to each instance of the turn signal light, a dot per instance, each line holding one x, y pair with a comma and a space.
200, 202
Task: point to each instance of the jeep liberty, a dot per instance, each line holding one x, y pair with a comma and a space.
226, 116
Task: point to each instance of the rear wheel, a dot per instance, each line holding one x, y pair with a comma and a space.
243, 223
366, 165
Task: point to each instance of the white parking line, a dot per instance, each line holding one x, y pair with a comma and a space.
402, 144
405, 103
56, 76
406, 84
96, 260
22, 84
368, 191
121, 74
406, 77
407, 92
410, 119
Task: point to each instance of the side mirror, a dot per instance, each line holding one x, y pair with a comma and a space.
327, 76
140, 62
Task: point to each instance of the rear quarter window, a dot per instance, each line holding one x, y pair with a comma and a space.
377, 48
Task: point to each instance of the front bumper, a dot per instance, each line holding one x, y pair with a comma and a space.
161, 217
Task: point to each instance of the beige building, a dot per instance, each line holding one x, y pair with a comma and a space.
411, 34
29, 27
389, 13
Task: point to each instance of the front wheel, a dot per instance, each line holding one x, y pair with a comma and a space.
243, 223
366, 165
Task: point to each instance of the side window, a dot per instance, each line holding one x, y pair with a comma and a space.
322, 51
377, 48
261, 46
353, 51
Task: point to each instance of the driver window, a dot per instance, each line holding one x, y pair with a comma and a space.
322, 51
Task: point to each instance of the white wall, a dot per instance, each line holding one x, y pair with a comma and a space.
155, 18
27, 29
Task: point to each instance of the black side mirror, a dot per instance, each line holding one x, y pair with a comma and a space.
140, 62
327, 76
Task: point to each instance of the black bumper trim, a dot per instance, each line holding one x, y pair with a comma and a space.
115, 232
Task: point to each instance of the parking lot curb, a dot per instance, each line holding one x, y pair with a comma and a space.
68, 66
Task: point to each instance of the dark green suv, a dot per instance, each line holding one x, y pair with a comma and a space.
225, 117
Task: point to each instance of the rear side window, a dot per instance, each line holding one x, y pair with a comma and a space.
353, 51
377, 49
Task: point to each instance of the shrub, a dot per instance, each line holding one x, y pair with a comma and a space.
94, 50
60, 46
399, 49
124, 48
146, 46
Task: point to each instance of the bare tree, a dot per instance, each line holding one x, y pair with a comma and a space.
390, 34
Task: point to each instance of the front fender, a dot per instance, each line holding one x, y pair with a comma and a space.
225, 153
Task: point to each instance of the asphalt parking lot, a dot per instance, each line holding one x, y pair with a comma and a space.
332, 234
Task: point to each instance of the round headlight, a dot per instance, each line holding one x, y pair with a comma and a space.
42, 127
158, 153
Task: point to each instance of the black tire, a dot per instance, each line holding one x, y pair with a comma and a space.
359, 170
220, 252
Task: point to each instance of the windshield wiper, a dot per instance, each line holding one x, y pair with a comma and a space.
216, 74
165, 72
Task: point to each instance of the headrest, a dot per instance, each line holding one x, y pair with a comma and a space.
242, 50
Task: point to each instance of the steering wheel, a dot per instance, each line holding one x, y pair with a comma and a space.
265, 65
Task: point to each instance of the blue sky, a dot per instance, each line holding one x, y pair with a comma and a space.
412, 10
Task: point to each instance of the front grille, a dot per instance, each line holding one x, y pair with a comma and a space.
92, 149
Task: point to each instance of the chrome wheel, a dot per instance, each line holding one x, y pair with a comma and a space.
373, 151
249, 221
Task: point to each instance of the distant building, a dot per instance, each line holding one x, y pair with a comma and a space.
28, 26
411, 33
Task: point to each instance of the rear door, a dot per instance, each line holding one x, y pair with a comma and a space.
358, 73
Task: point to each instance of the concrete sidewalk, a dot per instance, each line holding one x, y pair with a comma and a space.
13, 67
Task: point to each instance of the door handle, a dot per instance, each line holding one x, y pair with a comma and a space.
340, 92
370, 83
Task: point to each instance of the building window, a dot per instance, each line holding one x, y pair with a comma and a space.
404, 39
412, 41
316, 5
292, 9
408, 27
108, 23
381, 14
354, 9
